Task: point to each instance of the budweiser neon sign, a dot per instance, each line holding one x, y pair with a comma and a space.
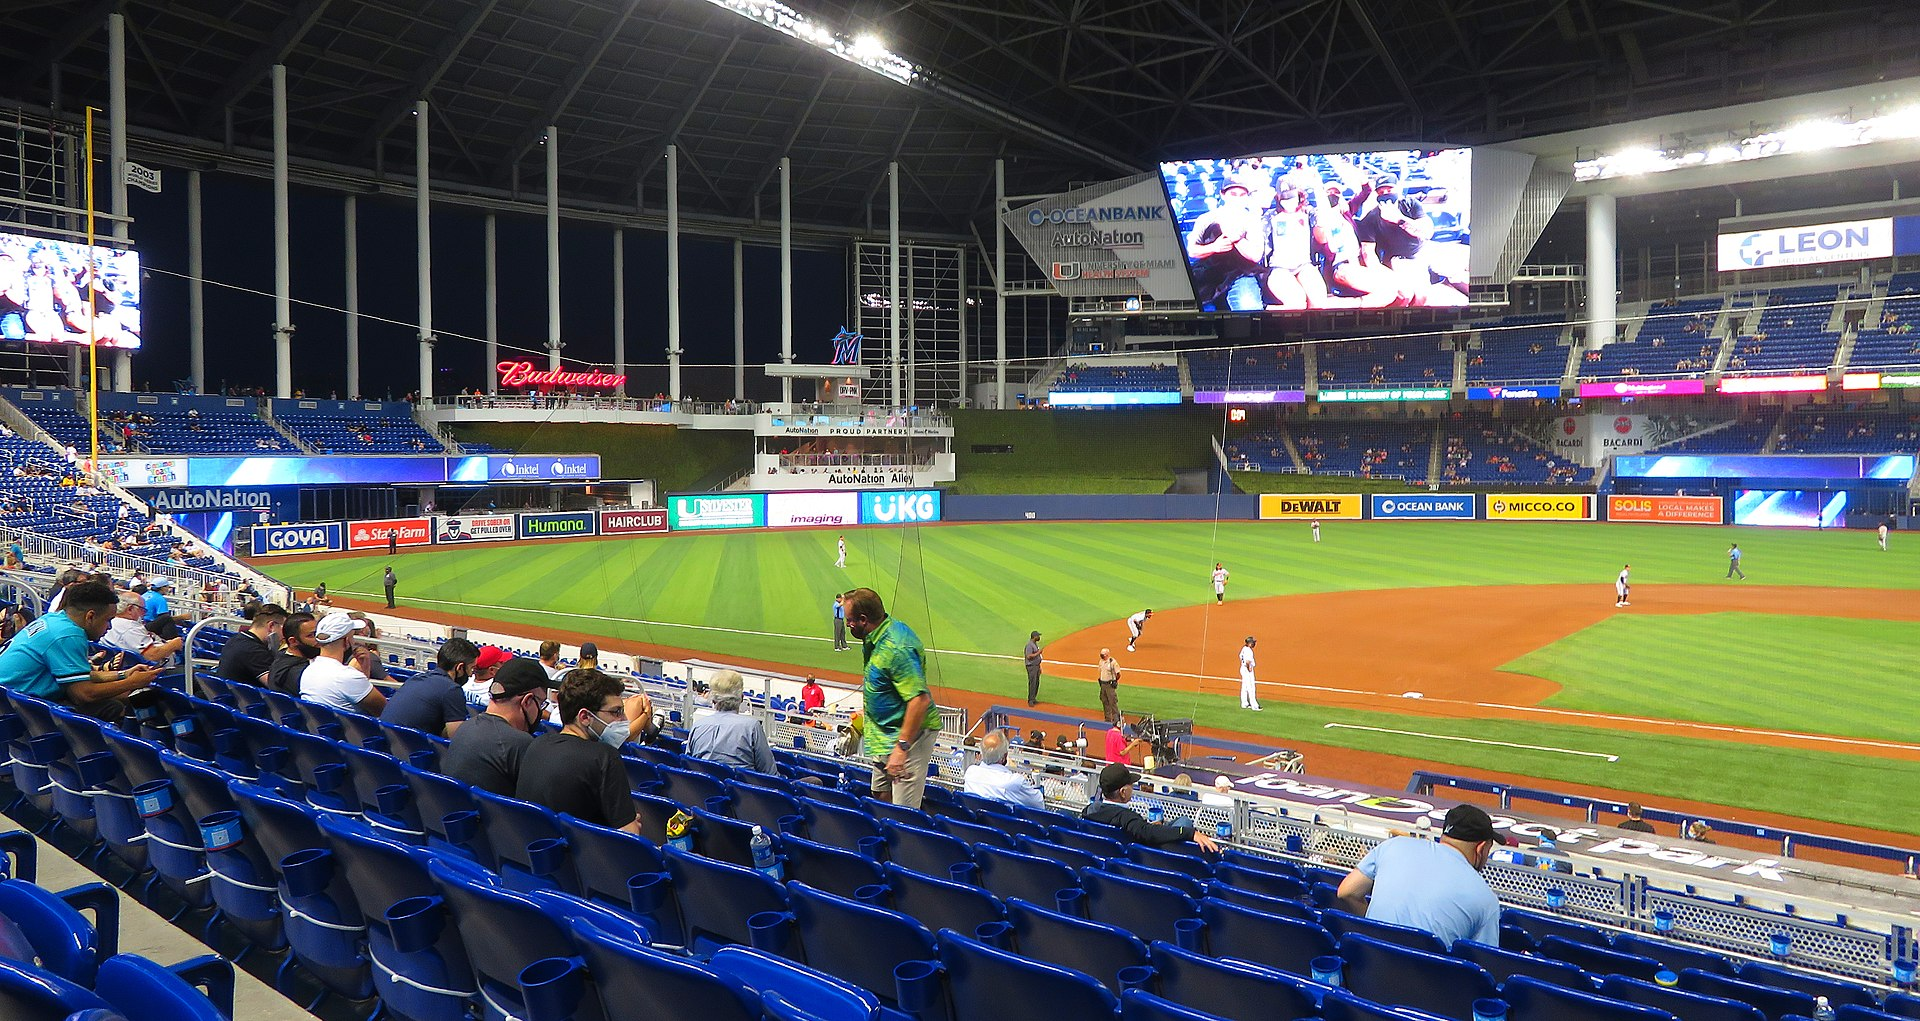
524, 374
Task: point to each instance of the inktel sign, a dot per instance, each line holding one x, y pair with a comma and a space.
405, 532
900, 507
282, 540
632, 522
1415, 506
542, 469
556, 526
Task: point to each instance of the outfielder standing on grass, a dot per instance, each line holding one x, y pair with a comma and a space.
1883, 536
1219, 583
1621, 588
1316, 530
1136, 624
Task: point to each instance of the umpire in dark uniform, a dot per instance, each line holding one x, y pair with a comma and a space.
1033, 669
390, 581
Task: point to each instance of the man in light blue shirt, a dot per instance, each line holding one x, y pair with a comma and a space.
156, 600
991, 778
48, 658
1432, 885
727, 736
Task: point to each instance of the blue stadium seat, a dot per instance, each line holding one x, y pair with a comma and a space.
242, 876
1072, 857
827, 998
1340, 1005
717, 900
1270, 884
447, 810
523, 843
1674, 955
1771, 1000
1855, 1012
420, 965
1094, 844
1902, 1004
978, 835
1147, 910
173, 836
1230, 987
839, 827
1171, 880
925, 850
1343, 924
1298, 910
1599, 960
832, 869
647, 983
886, 812
985, 983
1505, 964
1277, 942
1531, 1000
1099, 949
724, 839
1391, 973
1678, 1002
1541, 926
1009, 874
940, 903
1836, 991
47, 930
117, 823
1171, 861
324, 927
764, 805
1139, 1005
856, 942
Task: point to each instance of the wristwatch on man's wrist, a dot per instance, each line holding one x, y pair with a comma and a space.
901, 744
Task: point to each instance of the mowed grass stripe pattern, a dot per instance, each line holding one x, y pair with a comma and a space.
1822, 675
981, 588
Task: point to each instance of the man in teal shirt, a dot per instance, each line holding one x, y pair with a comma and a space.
48, 658
900, 717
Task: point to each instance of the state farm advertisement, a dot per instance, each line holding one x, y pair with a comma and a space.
633, 522
1667, 510
474, 528
799, 510
405, 532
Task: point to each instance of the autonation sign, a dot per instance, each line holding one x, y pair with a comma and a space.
1847, 241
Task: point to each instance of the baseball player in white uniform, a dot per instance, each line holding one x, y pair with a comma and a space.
842, 562
1248, 699
1316, 530
1883, 537
1134, 625
1219, 584
1621, 588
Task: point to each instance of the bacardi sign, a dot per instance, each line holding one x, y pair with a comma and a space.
524, 374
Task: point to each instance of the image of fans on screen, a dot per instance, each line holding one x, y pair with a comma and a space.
1325, 230
44, 293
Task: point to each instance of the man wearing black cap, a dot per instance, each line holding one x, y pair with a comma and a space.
486, 751
1116, 789
1432, 885
1033, 669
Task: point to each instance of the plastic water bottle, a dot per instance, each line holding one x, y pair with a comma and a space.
958, 761
764, 861
1822, 1009
845, 784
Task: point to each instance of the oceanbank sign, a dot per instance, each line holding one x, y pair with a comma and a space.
1846, 241
1407, 812
1116, 239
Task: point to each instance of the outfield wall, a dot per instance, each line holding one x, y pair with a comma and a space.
1139, 507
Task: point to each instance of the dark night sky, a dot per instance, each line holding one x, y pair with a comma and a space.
238, 247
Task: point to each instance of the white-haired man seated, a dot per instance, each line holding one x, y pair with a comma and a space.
726, 735
992, 778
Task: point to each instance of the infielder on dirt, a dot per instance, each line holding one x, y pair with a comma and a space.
1248, 698
1135, 624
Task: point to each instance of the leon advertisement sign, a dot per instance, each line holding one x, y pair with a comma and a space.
1299, 507
1539, 507
373, 534
1667, 510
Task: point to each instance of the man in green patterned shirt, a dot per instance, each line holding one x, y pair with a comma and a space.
901, 719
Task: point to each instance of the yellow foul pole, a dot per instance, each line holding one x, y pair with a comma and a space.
93, 337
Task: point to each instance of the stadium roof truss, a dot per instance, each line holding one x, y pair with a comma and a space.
1064, 90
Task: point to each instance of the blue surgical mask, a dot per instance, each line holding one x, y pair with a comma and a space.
613, 735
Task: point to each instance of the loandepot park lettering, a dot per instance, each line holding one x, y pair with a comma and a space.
524, 374
1096, 214
1412, 808
1094, 237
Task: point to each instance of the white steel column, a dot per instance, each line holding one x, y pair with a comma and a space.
893, 282
966, 395
999, 284
493, 306
620, 306
122, 363
282, 256
786, 276
196, 291
673, 272
1601, 259
423, 247
739, 321
352, 206
553, 247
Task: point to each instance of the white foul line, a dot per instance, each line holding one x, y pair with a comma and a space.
1471, 740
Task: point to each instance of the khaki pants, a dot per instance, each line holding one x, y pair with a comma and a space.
1110, 701
910, 789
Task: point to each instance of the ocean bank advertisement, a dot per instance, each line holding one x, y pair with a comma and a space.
285, 540
452, 528
1106, 240
900, 507
1423, 507
745, 510
1300, 507
1539, 507
556, 526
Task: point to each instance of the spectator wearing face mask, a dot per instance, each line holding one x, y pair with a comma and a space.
431, 701
488, 749
578, 770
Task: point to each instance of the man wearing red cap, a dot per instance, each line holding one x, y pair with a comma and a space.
485, 666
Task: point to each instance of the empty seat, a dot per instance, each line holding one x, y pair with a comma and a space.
985, 983
1836, 991
1599, 960
1145, 909
1171, 861
1505, 964
1099, 949
1390, 973
1261, 902
1160, 877
1232, 988
1009, 874
1343, 924
1233, 930
940, 903
1674, 955
716, 899
1531, 1000
1678, 1002
632, 980
1772, 1000
832, 869
1072, 857
856, 942
1139, 1005
1270, 884
925, 850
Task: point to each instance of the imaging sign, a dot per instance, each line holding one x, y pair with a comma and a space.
1106, 240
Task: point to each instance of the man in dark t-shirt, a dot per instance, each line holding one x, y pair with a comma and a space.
431, 701
292, 661
488, 750
578, 770
248, 655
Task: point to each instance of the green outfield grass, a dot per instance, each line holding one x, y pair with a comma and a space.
980, 588
1823, 675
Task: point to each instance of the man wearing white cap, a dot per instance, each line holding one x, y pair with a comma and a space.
1249, 698
332, 679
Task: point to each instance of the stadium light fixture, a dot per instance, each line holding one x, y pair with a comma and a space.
1819, 135
867, 50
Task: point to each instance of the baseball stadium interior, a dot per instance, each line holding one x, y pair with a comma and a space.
393, 393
